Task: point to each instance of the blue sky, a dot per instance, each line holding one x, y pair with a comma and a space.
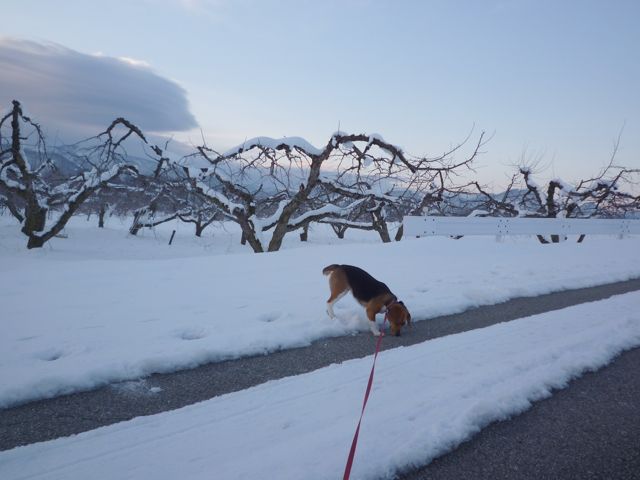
555, 80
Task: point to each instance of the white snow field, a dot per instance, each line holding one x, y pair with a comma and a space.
101, 306
426, 399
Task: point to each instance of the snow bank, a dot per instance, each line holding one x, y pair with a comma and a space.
102, 306
426, 399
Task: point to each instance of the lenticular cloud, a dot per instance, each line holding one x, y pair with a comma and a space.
81, 94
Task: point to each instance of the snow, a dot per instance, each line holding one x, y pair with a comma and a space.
565, 187
426, 399
378, 193
230, 206
273, 143
102, 306
4, 177
327, 209
375, 137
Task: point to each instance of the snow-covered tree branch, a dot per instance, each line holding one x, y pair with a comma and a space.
37, 191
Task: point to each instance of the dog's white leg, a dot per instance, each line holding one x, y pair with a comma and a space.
371, 315
374, 328
330, 310
331, 304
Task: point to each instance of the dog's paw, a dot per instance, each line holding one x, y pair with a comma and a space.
375, 330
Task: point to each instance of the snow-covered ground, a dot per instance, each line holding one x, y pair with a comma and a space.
101, 306
426, 399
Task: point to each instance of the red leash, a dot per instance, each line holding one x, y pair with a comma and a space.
354, 443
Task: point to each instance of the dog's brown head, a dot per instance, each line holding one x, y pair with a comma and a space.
398, 316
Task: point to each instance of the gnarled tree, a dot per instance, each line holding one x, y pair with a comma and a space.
42, 201
276, 186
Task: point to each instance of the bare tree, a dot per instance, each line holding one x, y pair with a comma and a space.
36, 186
276, 186
496, 205
599, 196
268, 187
265, 187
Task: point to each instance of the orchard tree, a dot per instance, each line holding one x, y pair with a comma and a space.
39, 198
271, 187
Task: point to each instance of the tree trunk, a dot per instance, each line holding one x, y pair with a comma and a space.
35, 219
339, 230
541, 239
276, 239
380, 224
35, 216
384, 234
35, 242
399, 233
103, 212
136, 225
305, 233
554, 238
14, 210
249, 235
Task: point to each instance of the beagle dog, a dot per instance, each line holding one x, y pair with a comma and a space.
372, 294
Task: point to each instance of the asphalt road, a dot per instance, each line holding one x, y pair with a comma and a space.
588, 431
605, 404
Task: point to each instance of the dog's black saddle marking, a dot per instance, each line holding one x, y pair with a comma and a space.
363, 286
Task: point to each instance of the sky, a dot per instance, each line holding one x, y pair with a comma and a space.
554, 82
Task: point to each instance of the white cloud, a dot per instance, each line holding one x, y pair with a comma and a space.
77, 94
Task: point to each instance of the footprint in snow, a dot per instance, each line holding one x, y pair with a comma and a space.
50, 354
24, 339
150, 319
191, 333
269, 317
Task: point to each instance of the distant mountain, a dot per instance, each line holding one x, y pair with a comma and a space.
69, 161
